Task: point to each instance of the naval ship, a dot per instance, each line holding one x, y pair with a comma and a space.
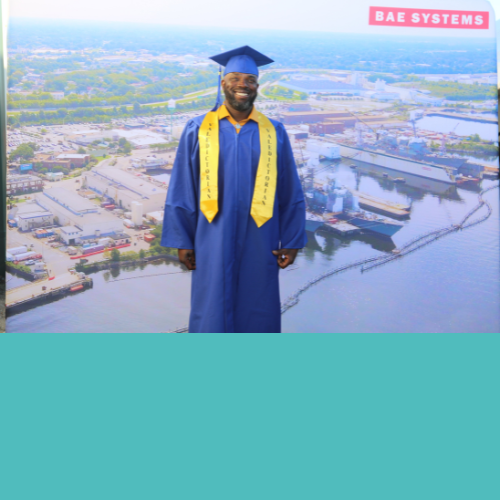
411, 156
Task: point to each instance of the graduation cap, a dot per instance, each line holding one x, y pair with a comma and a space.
241, 60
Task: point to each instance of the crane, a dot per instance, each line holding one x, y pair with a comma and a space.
442, 149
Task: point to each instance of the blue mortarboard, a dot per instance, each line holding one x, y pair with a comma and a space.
241, 60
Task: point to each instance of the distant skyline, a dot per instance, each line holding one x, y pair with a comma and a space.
313, 15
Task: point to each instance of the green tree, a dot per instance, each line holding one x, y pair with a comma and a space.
23, 152
81, 151
142, 253
115, 255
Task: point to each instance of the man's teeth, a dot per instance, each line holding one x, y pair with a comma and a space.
242, 93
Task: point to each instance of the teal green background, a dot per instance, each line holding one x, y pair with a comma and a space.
276, 416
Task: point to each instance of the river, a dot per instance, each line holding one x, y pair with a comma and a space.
451, 285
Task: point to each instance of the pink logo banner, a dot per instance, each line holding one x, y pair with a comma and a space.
429, 18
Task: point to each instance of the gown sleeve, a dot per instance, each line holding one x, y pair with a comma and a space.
181, 206
291, 202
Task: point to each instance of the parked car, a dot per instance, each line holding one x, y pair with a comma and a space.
30, 262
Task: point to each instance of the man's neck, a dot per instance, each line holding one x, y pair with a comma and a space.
237, 115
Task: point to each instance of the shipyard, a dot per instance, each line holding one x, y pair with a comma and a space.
389, 162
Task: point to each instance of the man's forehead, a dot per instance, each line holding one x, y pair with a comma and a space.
236, 73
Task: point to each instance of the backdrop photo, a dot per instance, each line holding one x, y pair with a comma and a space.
391, 109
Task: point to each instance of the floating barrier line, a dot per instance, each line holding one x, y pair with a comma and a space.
409, 247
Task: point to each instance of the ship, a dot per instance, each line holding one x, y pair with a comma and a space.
411, 158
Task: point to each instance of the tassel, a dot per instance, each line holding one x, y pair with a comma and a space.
218, 102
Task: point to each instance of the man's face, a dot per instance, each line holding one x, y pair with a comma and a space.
240, 90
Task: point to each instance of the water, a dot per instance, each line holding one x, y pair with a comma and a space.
451, 285
487, 131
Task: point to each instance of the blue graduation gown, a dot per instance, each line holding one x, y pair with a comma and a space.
235, 285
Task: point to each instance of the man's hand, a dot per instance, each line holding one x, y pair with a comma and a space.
187, 258
286, 256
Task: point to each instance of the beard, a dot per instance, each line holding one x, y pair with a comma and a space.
237, 105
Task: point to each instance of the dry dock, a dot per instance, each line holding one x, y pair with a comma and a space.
42, 291
384, 207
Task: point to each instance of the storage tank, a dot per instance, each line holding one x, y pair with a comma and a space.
137, 212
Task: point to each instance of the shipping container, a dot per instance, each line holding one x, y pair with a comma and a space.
17, 250
28, 255
44, 233
93, 249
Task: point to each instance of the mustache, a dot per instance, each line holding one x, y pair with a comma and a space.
240, 106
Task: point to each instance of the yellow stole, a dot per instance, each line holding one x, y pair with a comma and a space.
267, 171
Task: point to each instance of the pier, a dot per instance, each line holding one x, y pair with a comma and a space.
341, 228
457, 116
31, 294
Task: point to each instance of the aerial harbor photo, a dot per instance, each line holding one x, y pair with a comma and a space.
395, 139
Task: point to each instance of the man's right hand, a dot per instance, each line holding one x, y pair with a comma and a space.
187, 258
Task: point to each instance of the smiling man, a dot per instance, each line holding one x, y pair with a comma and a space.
235, 208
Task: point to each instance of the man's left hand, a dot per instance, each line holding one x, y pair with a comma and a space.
285, 256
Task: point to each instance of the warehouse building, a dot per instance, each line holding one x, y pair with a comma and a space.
31, 215
296, 118
80, 218
125, 187
17, 184
327, 127
323, 87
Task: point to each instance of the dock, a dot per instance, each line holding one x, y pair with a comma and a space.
384, 207
342, 228
41, 291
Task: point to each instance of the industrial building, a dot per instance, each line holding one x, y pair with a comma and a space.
297, 134
323, 87
295, 118
327, 127
17, 184
31, 215
425, 99
80, 218
386, 96
139, 138
75, 160
126, 187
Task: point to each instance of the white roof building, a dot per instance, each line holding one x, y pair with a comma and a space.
73, 210
125, 187
31, 215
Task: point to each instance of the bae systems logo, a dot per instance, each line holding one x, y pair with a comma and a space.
429, 18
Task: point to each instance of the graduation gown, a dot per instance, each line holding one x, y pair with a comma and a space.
235, 285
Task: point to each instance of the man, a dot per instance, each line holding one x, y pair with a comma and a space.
235, 208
